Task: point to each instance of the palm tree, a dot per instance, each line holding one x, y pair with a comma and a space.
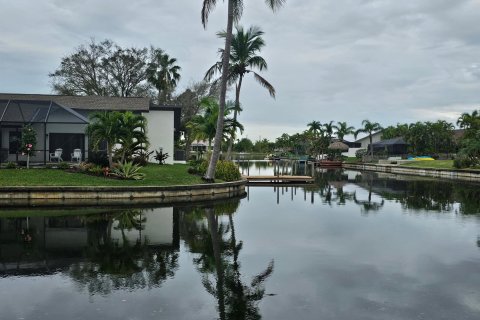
203, 127
133, 138
163, 74
105, 126
370, 128
343, 129
243, 59
315, 127
328, 129
235, 10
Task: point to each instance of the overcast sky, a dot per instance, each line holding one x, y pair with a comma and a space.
385, 60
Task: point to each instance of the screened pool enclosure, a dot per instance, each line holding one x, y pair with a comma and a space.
59, 129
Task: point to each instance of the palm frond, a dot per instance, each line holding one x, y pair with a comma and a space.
264, 83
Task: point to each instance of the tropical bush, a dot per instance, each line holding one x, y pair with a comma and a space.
98, 158
227, 171
462, 161
160, 156
128, 170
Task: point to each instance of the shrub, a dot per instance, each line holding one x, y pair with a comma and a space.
142, 158
462, 161
85, 166
227, 171
99, 158
11, 165
63, 166
128, 170
360, 153
95, 170
160, 156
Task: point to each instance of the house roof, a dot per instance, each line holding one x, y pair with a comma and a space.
85, 102
367, 136
390, 142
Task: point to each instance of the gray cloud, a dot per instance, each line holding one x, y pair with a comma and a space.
389, 61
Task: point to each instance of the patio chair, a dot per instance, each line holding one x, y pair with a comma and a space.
57, 155
76, 155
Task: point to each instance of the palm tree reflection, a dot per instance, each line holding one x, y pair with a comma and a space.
217, 248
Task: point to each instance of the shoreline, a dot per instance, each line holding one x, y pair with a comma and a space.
118, 195
461, 175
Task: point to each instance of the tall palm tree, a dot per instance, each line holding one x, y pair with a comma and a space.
370, 128
328, 129
315, 127
243, 59
343, 129
163, 73
104, 126
235, 10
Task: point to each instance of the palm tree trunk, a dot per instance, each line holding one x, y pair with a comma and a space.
235, 112
223, 93
110, 156
213, 226
371, 146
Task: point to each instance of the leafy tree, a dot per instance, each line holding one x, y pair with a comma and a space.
328, 129
244, 145
244, 59
163, 73
470, 122
370, 128
106, 69
234, 12
343, 129
191, 107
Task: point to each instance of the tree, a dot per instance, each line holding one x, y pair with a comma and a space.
106, 69
203, 127
328, 129
315, 127
370, 128
235, 10
470, 122
243, 60
163, 73
244, 145
343, 129
190, 101
132, 137
104, 126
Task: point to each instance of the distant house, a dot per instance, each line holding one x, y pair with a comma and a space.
365, 141
395, 146
60, 123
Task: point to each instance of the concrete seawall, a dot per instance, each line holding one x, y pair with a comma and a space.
463, 175
57, 195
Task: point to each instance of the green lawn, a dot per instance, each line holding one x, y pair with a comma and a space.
156, 175
436, 164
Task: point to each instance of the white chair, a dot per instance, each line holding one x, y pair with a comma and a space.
76, 155
57, 155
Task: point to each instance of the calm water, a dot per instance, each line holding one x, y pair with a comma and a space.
353, 246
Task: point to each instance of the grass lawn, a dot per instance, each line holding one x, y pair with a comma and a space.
156, 175
352, 160
436, 164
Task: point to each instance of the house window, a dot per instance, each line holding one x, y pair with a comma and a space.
14, 141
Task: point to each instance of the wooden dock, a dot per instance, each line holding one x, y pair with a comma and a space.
278, 179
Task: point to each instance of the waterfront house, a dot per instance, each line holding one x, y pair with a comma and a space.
60, 123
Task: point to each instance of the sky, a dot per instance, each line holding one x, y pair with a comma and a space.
383, 60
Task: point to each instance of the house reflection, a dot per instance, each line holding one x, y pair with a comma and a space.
130, 248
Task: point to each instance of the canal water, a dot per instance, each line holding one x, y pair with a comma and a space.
352, 246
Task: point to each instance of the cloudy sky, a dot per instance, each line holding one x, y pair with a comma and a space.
388, 61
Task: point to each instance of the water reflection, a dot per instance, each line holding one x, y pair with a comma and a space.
374, 245
338, 187
217, 250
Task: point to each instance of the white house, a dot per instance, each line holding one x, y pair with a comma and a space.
60, 123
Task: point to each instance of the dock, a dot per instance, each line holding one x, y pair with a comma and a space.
278, 179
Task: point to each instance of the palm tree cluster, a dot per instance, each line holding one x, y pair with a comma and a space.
124, 134
234, 13
203, 125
